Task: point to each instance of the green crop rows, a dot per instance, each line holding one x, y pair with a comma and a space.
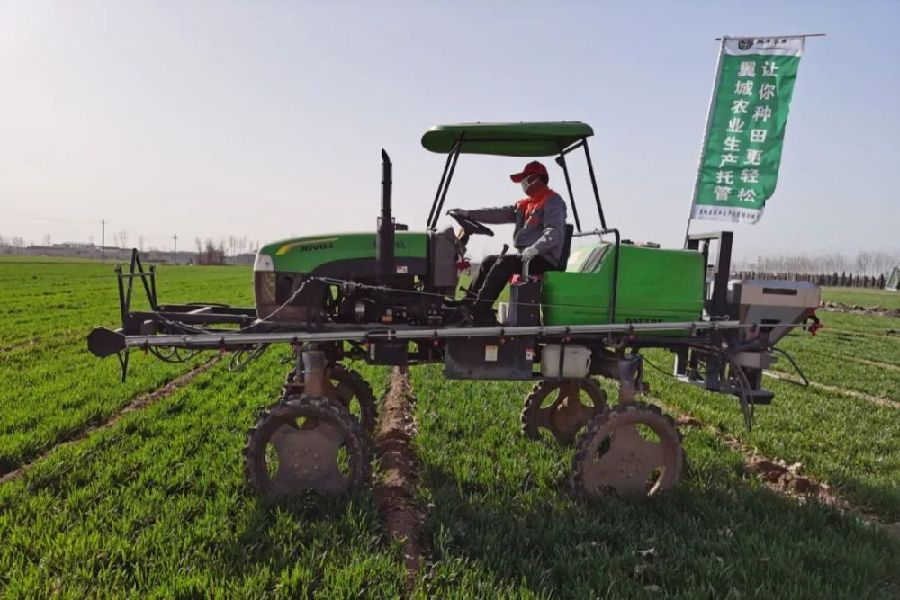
155, 505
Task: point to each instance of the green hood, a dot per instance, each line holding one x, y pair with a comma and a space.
304, 254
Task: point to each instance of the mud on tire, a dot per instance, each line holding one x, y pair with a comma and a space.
614, 454
347, 388
314, 445
557, 417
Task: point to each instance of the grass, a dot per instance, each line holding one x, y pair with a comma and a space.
862, 297
51, 387
502, 524
846, 442
156, 506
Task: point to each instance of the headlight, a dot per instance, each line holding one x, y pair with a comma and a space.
263, 263
265, 288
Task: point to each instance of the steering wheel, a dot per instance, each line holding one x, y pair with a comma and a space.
469, 226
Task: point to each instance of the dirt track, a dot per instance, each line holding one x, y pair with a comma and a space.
396, 488
780, 476
878, 311
885, 402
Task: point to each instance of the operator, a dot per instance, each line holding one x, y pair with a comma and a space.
539, 236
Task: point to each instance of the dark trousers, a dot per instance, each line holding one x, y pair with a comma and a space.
496, 270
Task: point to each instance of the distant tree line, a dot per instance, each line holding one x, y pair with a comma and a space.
864, 263
822, 279
230, 250
210, 252
11, 245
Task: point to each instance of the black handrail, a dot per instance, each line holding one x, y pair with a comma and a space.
437, 194
587, 155
561, 161
615, 285
440, 205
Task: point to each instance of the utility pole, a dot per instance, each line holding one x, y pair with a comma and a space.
174, 248
102, 235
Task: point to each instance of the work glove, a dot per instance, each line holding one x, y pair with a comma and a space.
529, 253
458, 212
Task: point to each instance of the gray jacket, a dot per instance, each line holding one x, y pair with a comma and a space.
545, 229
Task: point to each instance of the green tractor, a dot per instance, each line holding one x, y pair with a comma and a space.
389, 297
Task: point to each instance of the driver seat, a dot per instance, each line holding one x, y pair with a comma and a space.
563, 257
567, 247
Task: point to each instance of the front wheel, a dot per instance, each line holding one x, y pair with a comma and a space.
346, 388
631, 450
306, 443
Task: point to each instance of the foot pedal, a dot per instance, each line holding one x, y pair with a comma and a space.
762, 397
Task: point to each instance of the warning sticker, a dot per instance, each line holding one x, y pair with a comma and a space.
490, 353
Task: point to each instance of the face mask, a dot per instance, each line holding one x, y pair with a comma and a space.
528, 182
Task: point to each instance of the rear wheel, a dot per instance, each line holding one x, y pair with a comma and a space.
562, 408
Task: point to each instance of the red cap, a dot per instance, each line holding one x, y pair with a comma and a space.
532, 168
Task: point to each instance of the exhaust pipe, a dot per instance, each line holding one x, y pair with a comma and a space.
384, 240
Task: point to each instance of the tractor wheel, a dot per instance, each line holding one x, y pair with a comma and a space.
631, 450
346, 388
306, 443
564, 414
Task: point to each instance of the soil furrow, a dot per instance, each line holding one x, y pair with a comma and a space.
19, 345
875, 363
397, 486
885, 402
856, 309
778, 475
138, 403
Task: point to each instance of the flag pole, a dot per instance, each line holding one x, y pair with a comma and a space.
769, 37
709, 115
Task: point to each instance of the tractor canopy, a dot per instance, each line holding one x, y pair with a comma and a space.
507, 139
523, 139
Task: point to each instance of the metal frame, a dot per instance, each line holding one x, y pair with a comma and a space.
615, 285
717, 302
230, 340
453, 156
163, 316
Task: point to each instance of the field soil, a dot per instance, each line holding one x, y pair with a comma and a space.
397, 486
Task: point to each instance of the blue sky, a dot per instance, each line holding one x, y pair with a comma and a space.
266, 119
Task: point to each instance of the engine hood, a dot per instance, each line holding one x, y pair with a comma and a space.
306, 254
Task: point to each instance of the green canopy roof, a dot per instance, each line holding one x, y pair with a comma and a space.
507, 139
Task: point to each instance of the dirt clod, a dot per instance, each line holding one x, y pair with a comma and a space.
878, 311
398, 484
884, 402
785, 478
687, 420
782, 477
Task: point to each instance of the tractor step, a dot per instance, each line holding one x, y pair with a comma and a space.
762, 397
